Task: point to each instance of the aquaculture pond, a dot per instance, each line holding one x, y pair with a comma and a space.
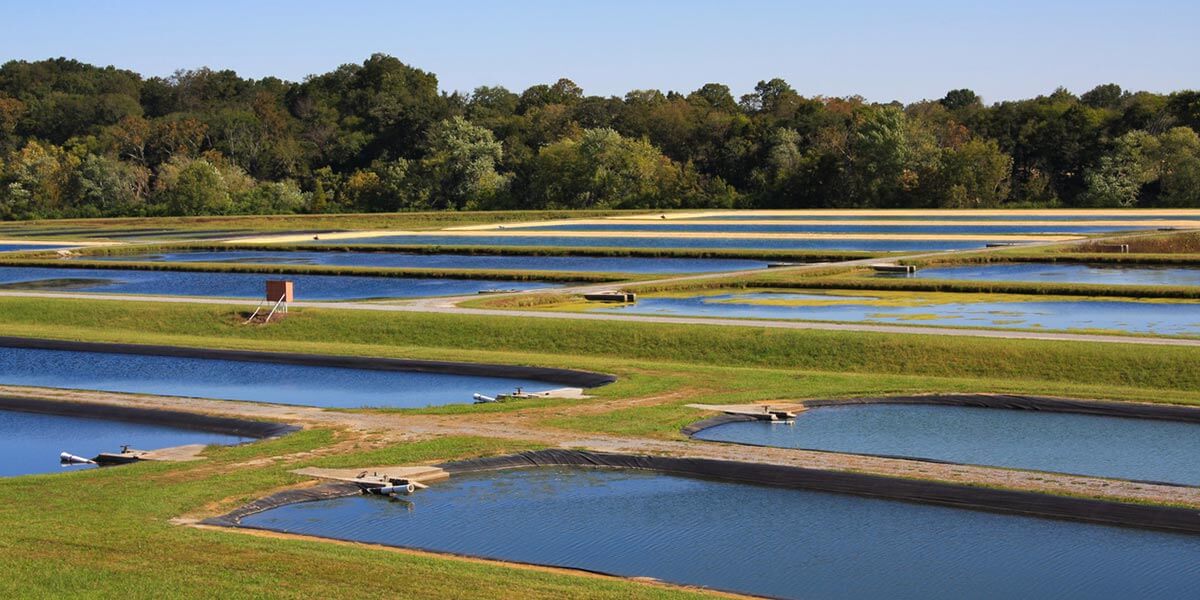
899, 228
20, 247
1164, 318
757, 540
1118, 447
965, 215
31, 442
867, 245
1064, 273
572, 264
330, 387
243, 285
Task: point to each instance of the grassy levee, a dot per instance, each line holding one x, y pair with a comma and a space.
400, 220
107, 534
584, 344
286, 269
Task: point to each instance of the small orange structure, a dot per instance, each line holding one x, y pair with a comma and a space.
279, 290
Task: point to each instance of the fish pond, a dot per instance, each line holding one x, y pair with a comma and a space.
1064, 273
758, 540
31, 442
243, 285
571, 264
1081, 444
20, 247
328, 387
734, 227
1011, 312
798, 243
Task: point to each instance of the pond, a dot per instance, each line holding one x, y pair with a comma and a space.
963, 215
1119, 447
850, 244
1064, 273
939, 229
1163, 318
400, 260
31, 442
243, 285
20, 247
757, 540
328, 387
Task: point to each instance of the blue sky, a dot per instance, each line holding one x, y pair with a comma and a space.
882, 50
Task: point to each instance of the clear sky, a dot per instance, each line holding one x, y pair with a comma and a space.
883, 50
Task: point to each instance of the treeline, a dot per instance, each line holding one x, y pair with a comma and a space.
79, 141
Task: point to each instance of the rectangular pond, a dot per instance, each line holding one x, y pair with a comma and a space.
1064, 273
20, 247
31, 442
849, 244
734, 227
1124, 448
1014, 312
328, 387
401, 260
759, 540
243, 285
962, 215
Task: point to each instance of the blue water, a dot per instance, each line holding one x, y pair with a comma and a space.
1066, 273
1165, 318
330, 387
19, 247
965, 215
759, 540
31, 442
245, 285
676, 242
1023, 439
946, 228
574, 264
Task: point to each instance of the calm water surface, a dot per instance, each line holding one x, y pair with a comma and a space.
31, 442
1165, 318
734, 227
576, 264
330, 387
962, 216
759, 540
675, 242
1066, 273
18, 247
1022, 439
243, 285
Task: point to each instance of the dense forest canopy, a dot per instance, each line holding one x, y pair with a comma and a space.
80, 141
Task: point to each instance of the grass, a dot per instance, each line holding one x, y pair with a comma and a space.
118, 540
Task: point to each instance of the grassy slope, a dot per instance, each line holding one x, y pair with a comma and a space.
107, 533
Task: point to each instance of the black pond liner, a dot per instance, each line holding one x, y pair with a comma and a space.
1104, 512
566, 377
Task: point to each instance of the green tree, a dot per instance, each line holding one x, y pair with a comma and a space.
187, 187
460, 166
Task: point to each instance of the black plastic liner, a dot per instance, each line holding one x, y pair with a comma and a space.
566, 377
325, 491
154, 416
860, 484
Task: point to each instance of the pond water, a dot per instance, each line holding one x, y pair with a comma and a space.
867, 245
20, 247
734, 227
758, 540
1023, 439
31, 442
575, 264
1065, 273
1164, 318
243, 285
965, 215
330, 387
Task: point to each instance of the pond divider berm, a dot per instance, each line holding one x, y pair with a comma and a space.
566, 377
1105, 512
1100, 408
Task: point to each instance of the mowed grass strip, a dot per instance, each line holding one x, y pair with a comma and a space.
1165, 367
